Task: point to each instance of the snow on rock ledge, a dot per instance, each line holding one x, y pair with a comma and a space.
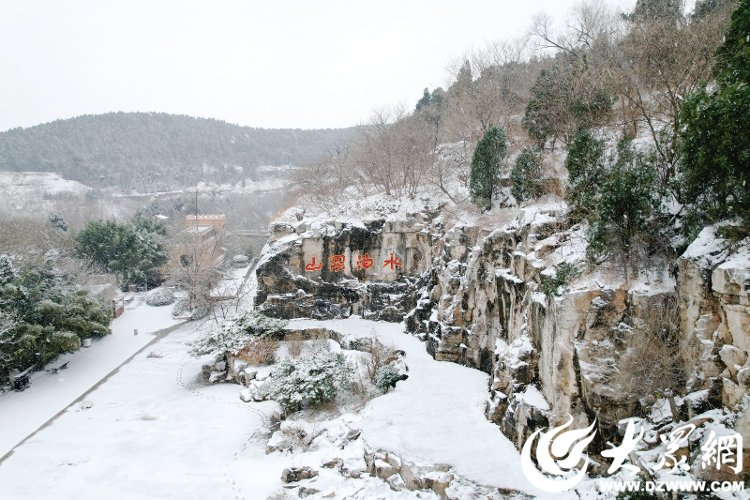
714, 286
473, 294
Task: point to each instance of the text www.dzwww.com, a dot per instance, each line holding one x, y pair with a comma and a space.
670, 486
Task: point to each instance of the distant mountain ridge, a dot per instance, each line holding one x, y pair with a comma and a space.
157, 151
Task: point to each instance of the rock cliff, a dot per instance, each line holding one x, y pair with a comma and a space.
474, 295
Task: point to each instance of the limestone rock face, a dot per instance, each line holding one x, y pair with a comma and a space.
475, 297
714, 286
333, 270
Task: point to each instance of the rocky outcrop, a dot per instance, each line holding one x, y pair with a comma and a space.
475, 297
714, 287
332, 269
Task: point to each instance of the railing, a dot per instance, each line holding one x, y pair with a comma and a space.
252, 232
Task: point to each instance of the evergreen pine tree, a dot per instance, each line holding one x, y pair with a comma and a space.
6, 270
585, 164
544, 106
527, 175
715, 140
491, 150
651, 10
425, 100
628, 200
558, 106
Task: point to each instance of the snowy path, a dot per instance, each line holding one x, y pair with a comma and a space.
22, 413
150, 431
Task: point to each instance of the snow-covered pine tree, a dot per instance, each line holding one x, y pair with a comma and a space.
490, 152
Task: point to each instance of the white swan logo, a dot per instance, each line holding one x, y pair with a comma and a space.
557, 457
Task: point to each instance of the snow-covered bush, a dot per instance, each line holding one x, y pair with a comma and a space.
200, 311
181, 308
240, 261
64, 341
558, 285
304, 382
386, 377
159, 297
236, 333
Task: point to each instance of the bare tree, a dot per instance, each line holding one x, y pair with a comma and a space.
591, 22
228, 296
325, 180
393, 151
651, 365
195, 266
546, 37
656, 65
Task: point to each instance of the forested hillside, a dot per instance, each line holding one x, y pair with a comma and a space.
156, 151
632, 100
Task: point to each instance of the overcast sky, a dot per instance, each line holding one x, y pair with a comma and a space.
275, 64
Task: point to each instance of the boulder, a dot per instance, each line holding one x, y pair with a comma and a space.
395, 482
294, 474
216, 376
353, 434
334, 464
246, 395
306, 492
383, 469
438, 482
733, 357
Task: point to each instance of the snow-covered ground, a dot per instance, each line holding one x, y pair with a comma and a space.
37, 185
436, 415
153, 430
22, 413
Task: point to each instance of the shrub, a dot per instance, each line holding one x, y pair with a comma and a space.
259, 352
636, 495
386, 378
652, 366
159, 297
42, 314
199, 311
294, 344
379, 355
234, 334
558, 284
240, 260
305, 382
181, 308
65, 341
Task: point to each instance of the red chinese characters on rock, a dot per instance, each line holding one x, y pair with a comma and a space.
394, 262
337, 263
364, 262
312, 266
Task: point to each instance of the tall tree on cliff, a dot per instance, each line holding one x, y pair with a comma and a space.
715, 143
491, 150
